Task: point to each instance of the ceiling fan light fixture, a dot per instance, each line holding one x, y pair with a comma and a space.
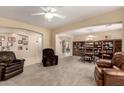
53, 10
49, 15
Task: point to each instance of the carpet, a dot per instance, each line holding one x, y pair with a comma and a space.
69, 72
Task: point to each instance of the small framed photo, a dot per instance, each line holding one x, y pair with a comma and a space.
26, 48
20, 48
25, 42
2, 48
23, 38
19, 41
11, 39
9, 44
0, 43
2, 38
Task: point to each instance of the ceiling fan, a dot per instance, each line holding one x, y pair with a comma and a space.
49, 12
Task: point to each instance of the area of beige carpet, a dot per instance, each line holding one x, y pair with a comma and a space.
69, 72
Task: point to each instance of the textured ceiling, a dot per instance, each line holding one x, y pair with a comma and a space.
96, 29
72, 13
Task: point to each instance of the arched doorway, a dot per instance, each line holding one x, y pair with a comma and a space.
25, 43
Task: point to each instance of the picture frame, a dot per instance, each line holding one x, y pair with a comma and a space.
9, 44
20, 42
2, 48
26, 48
12, 39
25, 42
0, 43
5, 48
20, 48
2, 38
23, 38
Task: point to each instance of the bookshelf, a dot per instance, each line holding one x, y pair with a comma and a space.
118, 45
78, 46
98, 48
108, 49
89, 51
104, 49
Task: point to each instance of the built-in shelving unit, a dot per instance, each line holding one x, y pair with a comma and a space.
104, 49
89, 51
108, 49
118, 45
78, 47
98, 48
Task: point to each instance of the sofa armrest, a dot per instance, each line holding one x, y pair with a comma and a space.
3, 64
113, 77
19, 60
103, 64
1, 72
112, 72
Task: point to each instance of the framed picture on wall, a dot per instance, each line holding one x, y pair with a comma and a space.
12, 39
9, 44
26, 48
25, 42
5, 48
0, 43
20, 42
2, 38
20, 48
2, 48
23, 38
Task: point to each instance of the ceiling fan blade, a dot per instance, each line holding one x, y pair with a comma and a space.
38, 14
59, 16
44, 9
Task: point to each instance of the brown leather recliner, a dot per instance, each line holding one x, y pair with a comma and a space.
9, 65
49, 57
110, 74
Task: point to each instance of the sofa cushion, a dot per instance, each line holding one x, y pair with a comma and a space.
7, 56
48, 52
5, 59
118, 60
99, 71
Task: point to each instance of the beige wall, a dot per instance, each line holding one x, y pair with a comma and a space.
110, 17
117, 34
16, 24
123, 37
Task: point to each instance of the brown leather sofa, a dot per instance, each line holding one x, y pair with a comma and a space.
49, 57
9, 65
110, 74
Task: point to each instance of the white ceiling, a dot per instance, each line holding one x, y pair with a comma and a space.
73, 14
95, 29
